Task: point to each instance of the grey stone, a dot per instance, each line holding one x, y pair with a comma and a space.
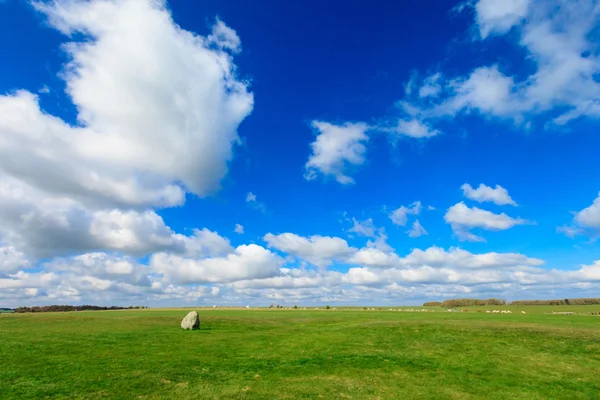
191, 321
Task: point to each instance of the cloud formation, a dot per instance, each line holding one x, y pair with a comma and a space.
483, 193
564, 63
463, 218
585, 222
400, 215
336, 150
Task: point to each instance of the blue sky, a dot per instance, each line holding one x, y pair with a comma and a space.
223, 152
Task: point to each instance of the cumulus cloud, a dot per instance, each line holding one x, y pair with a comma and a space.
46, 225
158, 109
246, 262
589, 217
138, 134
483, 193
463, 218
585, 222
458, 258
294, 278
318, 250
12, 260
400, 215
337, 149
239, 229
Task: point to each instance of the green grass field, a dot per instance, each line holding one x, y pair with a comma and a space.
294, 354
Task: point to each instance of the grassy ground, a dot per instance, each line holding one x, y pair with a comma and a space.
294, 354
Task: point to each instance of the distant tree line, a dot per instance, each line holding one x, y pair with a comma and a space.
65, 308
561, 302
466, 303
498, 302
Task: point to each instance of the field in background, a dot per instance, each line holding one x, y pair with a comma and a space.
303, 354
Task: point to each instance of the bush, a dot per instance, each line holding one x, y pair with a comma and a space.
327, 307
432, 304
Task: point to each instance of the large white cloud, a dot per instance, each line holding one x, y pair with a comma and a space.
336, 149
155, 103
246, 262
44, 226
463, 218
157, 113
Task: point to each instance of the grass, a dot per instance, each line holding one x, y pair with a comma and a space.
296, 354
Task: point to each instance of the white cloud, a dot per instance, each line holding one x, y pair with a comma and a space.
486, 90
458, 258
589, 217
463, 218
373, 257
224, 37
497, 195
336, 149
585, 222
400, 215
102, 266
363, 228
205, 243
499, 16
416, 230
12, 260
254, 203
294, 278
142, 139
318, 250
138, 134
239, 229
380, 242
415, 128
247, 262
45, 225
430, 86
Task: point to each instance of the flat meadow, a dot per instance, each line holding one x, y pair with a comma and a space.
348, 353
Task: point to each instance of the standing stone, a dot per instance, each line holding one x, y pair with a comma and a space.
191, 321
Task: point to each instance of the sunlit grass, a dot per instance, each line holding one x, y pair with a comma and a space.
294, 354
